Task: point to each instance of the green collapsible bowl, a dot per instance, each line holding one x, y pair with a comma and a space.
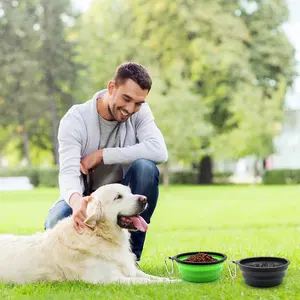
199, 271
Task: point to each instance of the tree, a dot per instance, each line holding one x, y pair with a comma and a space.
56, 55
39, 70
205, 42
258, 106
20, 104
222, 47
111, 40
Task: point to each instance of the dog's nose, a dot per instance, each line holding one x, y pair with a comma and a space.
142, 199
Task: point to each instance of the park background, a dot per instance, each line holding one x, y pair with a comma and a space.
226, 96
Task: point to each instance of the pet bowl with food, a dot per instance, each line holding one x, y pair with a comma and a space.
263, 271
198, 266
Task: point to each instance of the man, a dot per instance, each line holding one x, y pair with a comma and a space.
115, 135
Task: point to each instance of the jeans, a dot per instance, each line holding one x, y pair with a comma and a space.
143, 178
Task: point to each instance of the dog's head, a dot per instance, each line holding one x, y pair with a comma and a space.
115, 204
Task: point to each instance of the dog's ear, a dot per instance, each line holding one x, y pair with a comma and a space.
93, 212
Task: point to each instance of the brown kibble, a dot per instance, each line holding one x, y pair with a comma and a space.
200, 257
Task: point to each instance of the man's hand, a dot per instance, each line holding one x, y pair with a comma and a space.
79, 206
91, 161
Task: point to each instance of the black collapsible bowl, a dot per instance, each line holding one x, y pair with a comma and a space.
263, 271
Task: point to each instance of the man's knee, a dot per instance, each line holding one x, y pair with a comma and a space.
145, 169
58, 212
51, 221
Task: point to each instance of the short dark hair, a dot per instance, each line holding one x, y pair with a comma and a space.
134, 71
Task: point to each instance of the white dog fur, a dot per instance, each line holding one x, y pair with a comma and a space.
102, 255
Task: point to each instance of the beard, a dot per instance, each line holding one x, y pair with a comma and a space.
117, 115
110, 110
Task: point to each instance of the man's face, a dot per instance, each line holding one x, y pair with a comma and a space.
125, 99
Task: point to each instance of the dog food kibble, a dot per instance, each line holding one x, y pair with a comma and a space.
200, 257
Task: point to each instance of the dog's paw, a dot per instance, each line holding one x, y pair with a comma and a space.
174, 280
168, 280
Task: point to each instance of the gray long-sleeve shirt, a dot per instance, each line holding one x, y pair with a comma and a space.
79, 136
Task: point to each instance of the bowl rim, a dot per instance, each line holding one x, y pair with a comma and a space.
241, 262
224, 257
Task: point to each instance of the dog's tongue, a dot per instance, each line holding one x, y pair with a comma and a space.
139, 223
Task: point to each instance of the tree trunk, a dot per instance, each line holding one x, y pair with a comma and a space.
166, 175
205, 175
50, 82
257, 170
54, 114
21, 122
26, 146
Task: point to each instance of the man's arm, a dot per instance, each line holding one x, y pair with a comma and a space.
151, 143
70, 144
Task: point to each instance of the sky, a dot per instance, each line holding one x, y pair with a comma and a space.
292, 29
82, 5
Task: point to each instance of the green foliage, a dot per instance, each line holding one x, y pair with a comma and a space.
38, 71
32, 174
189, 176
220, 70
39, 177
181, 177
282, 176
48, 177
179, 114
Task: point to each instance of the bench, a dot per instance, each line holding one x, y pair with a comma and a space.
20, 183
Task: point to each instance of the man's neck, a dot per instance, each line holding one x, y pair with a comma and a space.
103, 108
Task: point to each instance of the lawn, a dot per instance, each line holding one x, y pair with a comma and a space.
238, 221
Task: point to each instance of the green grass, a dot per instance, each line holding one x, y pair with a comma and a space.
238, 221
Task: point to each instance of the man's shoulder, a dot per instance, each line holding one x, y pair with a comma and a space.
85, 109
145, 109
75, 112
144, 113
79, 108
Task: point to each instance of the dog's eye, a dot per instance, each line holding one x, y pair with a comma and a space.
118, 197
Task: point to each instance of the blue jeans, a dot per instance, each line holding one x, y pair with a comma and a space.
143, 178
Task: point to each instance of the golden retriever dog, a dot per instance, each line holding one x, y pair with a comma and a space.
101, 255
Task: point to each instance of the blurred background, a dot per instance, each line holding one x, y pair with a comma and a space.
225, 90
